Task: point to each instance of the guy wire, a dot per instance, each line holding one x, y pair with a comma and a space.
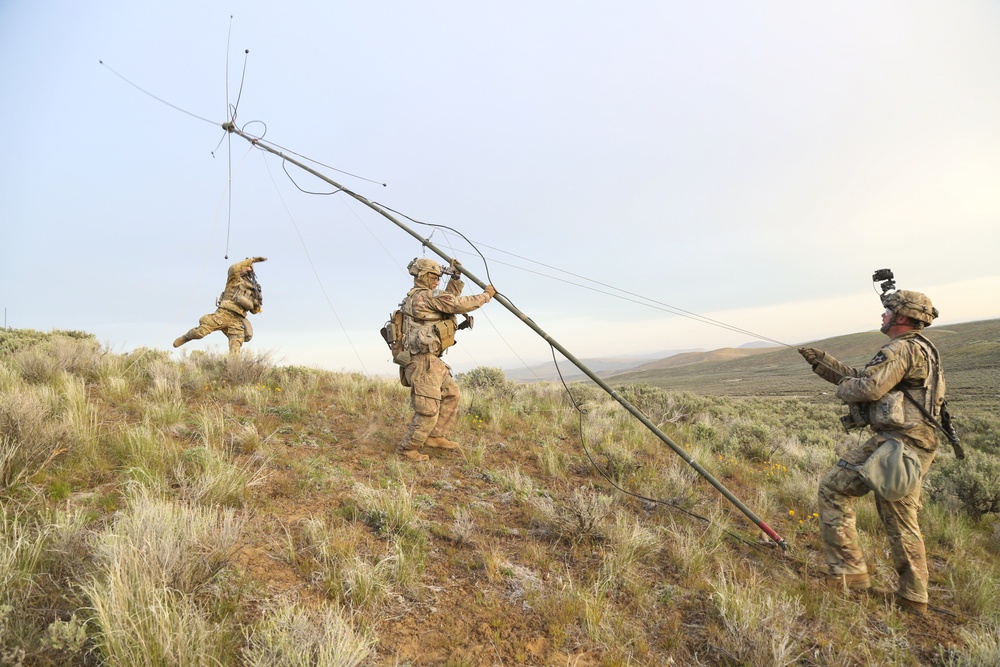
158, 99
665, 306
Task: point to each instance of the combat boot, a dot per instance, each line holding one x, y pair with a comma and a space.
440, 443
910, 606
180, 341
841, 583
414, 455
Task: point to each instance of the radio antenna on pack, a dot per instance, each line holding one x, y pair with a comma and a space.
230, 127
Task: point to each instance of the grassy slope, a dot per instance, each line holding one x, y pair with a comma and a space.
513, 551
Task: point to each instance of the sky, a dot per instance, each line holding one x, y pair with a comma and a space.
614, 163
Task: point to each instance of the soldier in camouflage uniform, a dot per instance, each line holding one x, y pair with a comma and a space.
241, 295
429, 327
908, 361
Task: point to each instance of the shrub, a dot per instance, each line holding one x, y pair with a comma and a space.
12, 340
389, 510
484, 377
973, 482
32, 435
582, 517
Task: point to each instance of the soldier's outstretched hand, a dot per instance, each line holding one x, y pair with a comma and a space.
491, 290
260, 259
812, 355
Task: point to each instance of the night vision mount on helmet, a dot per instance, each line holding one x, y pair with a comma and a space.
423, 265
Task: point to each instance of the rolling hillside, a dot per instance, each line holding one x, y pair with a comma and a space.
970, 353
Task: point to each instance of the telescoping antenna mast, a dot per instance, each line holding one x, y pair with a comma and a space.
231, 127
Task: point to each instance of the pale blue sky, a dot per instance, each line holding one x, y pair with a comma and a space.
753, 162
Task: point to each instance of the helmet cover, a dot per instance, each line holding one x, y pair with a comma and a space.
423, 265
910, 304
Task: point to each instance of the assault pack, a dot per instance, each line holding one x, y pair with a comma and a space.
393, 335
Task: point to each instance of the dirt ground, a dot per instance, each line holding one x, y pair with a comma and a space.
462, 615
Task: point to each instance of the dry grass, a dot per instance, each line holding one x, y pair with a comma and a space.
226, 511
290, 636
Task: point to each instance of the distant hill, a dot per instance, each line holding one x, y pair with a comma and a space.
970, 353
722, 354
603, 366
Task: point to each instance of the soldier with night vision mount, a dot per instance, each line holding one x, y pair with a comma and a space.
899, 394
242, 295
428, 329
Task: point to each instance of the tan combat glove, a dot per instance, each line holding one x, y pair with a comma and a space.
490, 291
813, 356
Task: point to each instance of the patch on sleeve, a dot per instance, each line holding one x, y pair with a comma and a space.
884, 355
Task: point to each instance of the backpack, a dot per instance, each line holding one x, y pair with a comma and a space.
393, 335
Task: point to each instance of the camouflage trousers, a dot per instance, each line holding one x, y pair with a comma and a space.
838, 491
222, 320
434, 396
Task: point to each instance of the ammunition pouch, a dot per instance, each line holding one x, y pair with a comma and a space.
855, 417
231, 306
446, 332
886, 413
244, 301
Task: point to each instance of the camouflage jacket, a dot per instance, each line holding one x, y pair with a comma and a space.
241, 294
429, 317
909, 362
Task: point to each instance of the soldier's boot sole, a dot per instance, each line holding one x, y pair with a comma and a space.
414, 455
841, 583
440, 443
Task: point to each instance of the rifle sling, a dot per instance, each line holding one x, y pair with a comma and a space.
955, 444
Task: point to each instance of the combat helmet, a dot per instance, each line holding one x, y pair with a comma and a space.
422, 265
914, 305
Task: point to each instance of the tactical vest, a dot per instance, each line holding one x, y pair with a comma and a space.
245, 295
431, 333
893, 411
